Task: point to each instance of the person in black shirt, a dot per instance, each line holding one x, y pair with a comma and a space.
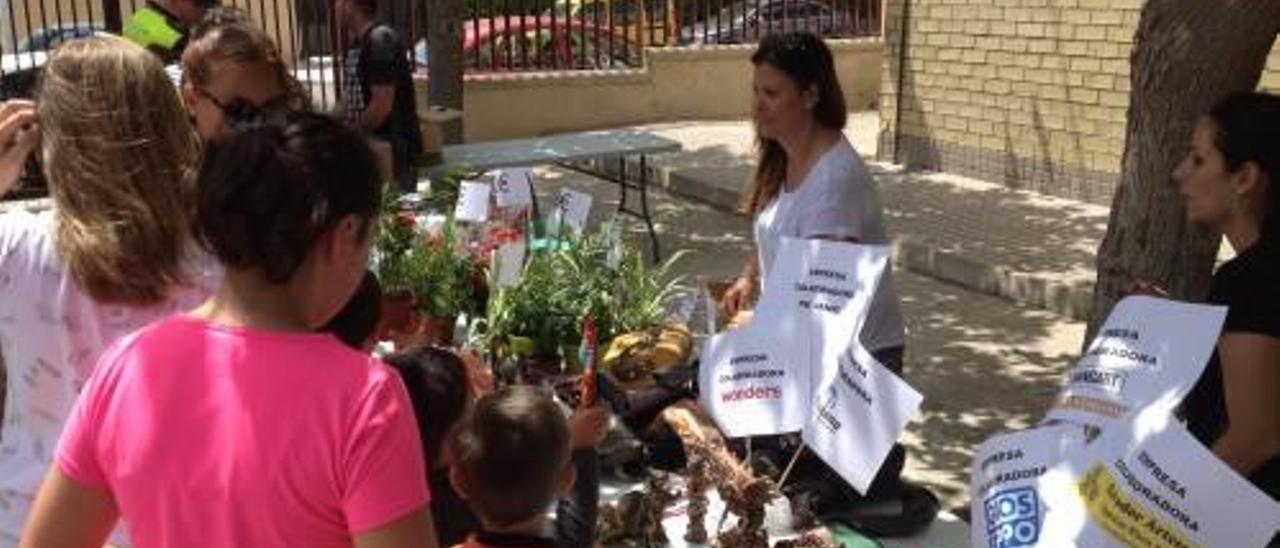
378, 95
1227, 180
186, 16
189, 12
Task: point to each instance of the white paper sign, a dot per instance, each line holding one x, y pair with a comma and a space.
473, 202
432, 224
571, 210
755, 381
1005, 503
508, 263
1149, 349
823, 276
1148, 482
858, 414
613, 257
513, 187
831, 284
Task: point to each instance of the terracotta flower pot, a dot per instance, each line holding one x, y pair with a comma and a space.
436, 330
397, 311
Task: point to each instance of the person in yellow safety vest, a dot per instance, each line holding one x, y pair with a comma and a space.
163, 26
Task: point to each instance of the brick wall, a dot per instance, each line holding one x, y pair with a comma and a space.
1271, 76
1031, 93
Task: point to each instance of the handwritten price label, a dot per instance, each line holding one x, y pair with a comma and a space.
513, 187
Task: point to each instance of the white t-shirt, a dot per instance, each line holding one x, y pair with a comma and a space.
51, 333
836, 200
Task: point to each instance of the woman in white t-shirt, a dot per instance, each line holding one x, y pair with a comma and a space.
110, 256
811, 183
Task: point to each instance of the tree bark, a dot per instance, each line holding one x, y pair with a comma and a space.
1186, 56
444, 61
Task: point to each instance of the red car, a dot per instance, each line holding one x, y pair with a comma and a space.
502, 44
531, 42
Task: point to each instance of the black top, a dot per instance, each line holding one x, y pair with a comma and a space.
497, 540
1249, 286
383, 60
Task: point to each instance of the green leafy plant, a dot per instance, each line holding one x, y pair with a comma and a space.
395, 237
440, 274
443, 195
645, 292
540, 308
559, 286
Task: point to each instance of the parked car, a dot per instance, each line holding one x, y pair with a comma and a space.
501, 44
18, 69
646, 22
48, 38
747, 22
524, 42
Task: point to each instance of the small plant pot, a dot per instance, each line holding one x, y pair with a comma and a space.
520, 347
570, 358
397, 311
436, 330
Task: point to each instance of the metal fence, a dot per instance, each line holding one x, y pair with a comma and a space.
513, 35
305, 31
497, 35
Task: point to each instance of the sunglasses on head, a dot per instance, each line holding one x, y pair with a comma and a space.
243, 115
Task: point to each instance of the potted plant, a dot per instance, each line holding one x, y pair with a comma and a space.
527, 322
393, 241
440, 275
647, 340
539, 320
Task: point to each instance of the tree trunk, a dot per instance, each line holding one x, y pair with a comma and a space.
1186, 56
444, 62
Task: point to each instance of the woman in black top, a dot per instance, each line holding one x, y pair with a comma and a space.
1228, 180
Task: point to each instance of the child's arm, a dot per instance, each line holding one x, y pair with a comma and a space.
415, 530
576, 515
69, 514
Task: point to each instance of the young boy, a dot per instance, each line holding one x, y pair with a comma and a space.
512, 458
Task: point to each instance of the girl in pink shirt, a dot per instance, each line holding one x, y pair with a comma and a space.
235, 425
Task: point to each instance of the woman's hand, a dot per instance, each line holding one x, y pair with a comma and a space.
738, 297
1143, 287
18, 137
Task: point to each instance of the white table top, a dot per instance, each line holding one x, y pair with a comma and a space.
553, 149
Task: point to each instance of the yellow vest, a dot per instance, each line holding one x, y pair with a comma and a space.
149, 28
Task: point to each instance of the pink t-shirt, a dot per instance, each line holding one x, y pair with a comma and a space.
208, 435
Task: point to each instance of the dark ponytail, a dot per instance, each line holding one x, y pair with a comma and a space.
439, 390
1248, 125
265, 196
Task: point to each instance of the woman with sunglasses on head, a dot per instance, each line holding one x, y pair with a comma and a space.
810, 183
234, 78
113, 252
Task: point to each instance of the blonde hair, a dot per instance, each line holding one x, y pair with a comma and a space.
119, 152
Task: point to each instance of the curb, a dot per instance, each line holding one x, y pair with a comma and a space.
1070, 300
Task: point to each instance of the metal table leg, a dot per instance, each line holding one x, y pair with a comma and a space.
624, 185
